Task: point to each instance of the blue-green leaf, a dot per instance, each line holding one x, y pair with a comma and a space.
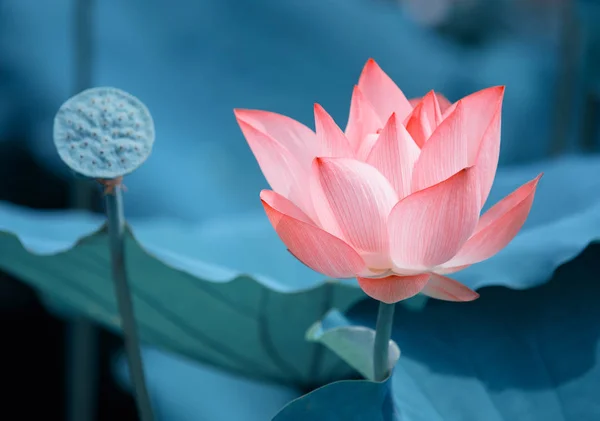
353, 344
510, 355
347, 400
230, 318
187, 391
563, 228
193, 293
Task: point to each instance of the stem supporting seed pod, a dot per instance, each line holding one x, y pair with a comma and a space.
116, 230
104, 134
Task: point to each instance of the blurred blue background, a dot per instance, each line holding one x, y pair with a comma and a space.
192, 62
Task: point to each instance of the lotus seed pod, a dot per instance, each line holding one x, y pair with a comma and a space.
103, 133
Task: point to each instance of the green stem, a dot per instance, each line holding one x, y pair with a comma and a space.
383, 334
116, 230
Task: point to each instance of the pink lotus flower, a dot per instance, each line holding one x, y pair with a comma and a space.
395, 200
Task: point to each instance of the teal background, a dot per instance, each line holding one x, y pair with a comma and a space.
194, 211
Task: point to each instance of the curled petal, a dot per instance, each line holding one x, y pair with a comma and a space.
444, 288
332, 141
444, 154
359, 198
428, 227
423, 120
497, 227
317, 249
382, 92
366, 146
392, 289
484, 111
443, 102
283, 207
279, 166
394, 155
486, 160
469, 135
363, 120
293, 135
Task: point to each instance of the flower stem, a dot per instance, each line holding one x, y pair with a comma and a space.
116, 230
383, 334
